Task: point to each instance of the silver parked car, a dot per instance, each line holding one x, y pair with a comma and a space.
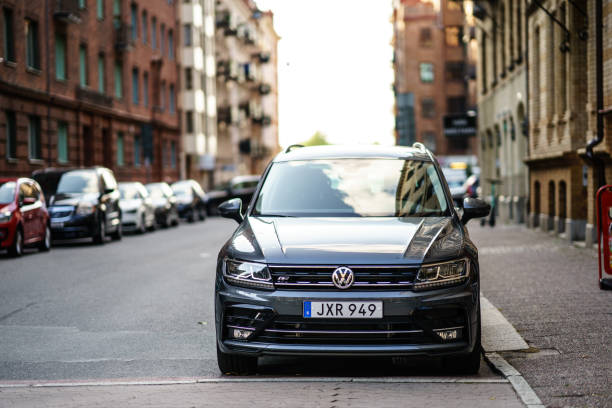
137, 211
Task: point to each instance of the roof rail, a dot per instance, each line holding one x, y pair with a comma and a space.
293, 146
419, 145
423, 148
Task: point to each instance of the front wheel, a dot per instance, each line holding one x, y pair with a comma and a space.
17, 248
118, 234
100, 237
232, 364
201, 214
470, 363
45, 244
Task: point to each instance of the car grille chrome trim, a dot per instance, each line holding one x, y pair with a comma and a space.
366, 276
343, 331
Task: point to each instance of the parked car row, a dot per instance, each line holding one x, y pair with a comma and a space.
60, 204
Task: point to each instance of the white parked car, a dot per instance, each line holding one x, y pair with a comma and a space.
137, 211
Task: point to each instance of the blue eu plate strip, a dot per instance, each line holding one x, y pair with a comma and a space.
307, 309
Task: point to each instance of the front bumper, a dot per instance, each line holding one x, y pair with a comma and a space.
130, 220
7, 233
74, 226
419, 313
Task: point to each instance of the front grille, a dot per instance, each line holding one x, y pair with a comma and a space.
320, 277
61, 214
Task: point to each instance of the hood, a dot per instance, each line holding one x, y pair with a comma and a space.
129, 204
72, 199
159, 202
345, 241
7, 206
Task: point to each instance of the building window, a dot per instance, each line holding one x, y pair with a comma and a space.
188, 78
145, 28
428, 108
455, 104
452, 36
137, 150
116, 13
32, 44
83, 66
173, 154
118, 79
171, 102
120, 149
100, 9
170, 44
162, 96
453, 5
162, 33
425, 37
9, 35
455, 71
82, 4
429, 139
101, 74
135, 90
145, 89
427, 72
189, 121
134, 21
34, 142
11, 135
62, 142
483, 62
60, 56
187, 34
154, 33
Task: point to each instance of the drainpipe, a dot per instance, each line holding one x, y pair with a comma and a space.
597, 162
48, 84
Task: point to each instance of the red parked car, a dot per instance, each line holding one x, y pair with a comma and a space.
24, 220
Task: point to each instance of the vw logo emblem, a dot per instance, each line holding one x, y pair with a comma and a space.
343, 277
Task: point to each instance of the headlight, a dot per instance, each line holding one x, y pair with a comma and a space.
5, 216
85, 209
442, 274
247, 274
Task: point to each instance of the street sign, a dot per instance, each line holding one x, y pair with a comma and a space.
604, 233
459, 125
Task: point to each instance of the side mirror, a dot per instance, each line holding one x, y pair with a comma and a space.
474, 208
231, 209
108, 191
28, 201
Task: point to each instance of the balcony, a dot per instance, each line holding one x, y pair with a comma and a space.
93, 97
264, 89
123, 37
67, 11
227, 22
263, 57
263, 120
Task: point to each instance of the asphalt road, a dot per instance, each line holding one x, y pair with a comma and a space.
142, 308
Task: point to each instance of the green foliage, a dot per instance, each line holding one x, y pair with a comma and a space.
317, 139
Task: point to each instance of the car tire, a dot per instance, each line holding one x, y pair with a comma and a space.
231, 364
16, 249
45, 244
118, 234
191, 216
100, 237
142, 228
201, 214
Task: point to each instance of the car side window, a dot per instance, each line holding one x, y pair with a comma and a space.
108, 180
35, 191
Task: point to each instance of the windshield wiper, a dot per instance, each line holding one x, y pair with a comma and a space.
274, 215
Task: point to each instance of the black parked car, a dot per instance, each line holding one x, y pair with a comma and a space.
241, 187
164, 202
82, 203
349, 252
191, 200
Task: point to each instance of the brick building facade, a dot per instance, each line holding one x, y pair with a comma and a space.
558, 95
431, 65
89, 82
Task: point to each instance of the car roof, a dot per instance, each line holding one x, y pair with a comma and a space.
354, 151
240, 179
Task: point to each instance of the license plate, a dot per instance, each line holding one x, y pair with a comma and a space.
343, 310
57, 225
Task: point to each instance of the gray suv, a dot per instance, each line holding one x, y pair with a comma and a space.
349, 251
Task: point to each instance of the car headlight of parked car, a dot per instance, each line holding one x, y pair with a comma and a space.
5, 216
85, 209
441, 274
247, 274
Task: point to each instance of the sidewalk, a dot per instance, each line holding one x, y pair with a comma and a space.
548, 290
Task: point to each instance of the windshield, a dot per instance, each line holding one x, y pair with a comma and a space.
353, 188
7, 192
78, 182
128, 191
181, 189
